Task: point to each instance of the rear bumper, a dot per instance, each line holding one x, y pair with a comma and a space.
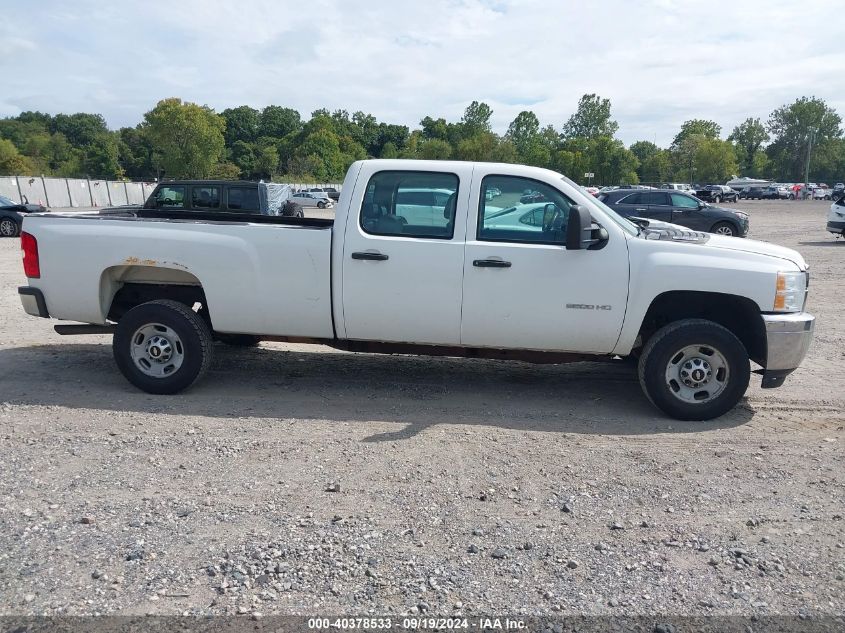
836, 227
788, 338
33, 301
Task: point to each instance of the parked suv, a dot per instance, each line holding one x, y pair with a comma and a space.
334, 194
218, 196
752, 193
717, 193
679, 208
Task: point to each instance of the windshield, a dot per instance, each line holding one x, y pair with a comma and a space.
626, 225
5, 202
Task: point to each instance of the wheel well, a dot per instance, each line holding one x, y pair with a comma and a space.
131, 295
738, 314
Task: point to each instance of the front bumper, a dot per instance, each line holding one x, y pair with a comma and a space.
788, 338
836, 227
33, 301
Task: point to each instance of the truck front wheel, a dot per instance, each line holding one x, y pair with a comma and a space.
694, 369
162, 346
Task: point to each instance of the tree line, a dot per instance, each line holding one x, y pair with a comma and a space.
185, 140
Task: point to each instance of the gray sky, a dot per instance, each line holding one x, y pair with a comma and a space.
660, 62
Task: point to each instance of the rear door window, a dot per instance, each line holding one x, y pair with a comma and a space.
243, 200
205, 197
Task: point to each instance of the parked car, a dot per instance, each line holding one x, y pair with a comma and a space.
533, 196
213, 197
822, 193
836, 218
752, 193
677, 207
717, 193
770, 193
838, 191
679, 186
12, 214
578, 282
318, 199
785, 192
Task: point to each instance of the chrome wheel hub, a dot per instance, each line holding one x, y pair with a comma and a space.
157, 350
697, 373
7, 228
724, 230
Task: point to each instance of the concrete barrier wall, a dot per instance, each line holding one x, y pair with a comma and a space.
135, 193
80, 193
57, 192
9, 188
100, 193
32, 188
117, 193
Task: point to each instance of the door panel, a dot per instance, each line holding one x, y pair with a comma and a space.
659, 206
537, 295
402, 263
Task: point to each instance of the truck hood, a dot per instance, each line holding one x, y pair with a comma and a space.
758, 248
666, 231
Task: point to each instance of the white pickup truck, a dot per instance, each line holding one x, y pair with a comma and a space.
421, 260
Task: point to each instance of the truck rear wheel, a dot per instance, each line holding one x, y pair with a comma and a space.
162, 346
694, 369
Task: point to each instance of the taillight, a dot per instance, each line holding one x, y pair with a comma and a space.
29, 246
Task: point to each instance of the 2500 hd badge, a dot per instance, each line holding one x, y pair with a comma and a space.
587, 306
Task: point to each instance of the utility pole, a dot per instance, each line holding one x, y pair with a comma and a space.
809, 149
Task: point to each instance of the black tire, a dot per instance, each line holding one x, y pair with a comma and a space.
9, 228
660, 355
239, 340
725, 228
321, 205
192, 341
717, 199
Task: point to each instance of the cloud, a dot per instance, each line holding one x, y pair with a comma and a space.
659, 62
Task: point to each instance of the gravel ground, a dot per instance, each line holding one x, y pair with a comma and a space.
301, 480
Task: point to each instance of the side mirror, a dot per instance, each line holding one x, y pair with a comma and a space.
578, 228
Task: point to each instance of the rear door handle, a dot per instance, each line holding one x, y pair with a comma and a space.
641, 209
376, 257
490, 263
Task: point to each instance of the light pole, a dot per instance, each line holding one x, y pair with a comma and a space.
809, 149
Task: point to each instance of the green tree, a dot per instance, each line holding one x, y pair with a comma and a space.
476, 119
434, 149
267, 162
524, 131
697, 127
187, 139
80, 129
135, 153
278, 122
100, 157
242, 154
591, 119
749, 137
655, 168
241, 124
792, 127
12, 163
703, 159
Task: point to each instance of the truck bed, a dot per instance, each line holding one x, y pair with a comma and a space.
265, 275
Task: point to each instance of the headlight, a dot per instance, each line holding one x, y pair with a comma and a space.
790, 292
741, 214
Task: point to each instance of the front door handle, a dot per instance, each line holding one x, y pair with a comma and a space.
376, 257
641, 209
490, 263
